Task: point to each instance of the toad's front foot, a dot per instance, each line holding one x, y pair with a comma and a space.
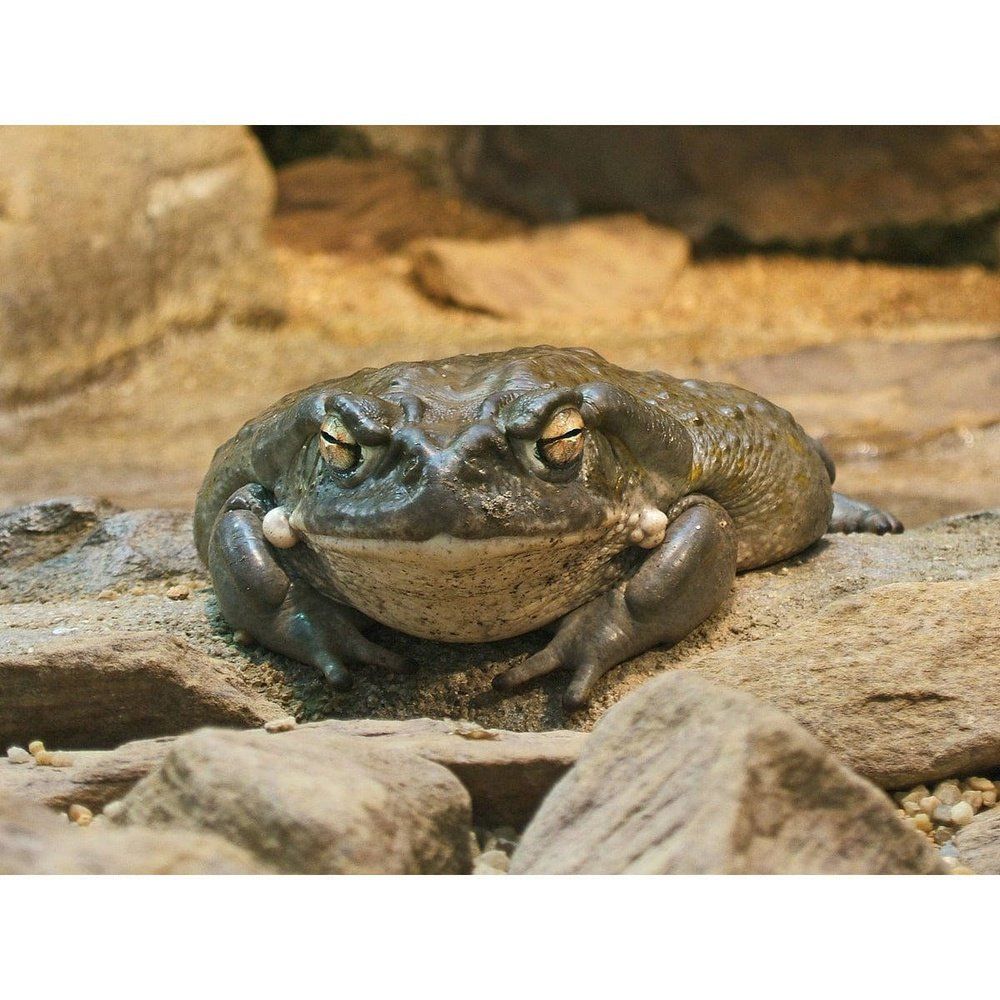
258, 595
675, 589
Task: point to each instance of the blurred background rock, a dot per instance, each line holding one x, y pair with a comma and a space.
158, 286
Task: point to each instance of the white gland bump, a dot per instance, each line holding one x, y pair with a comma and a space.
650, 528
277, 530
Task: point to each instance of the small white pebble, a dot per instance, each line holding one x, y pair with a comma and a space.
114, 809
179, 593
283, 725
962, 813
942, 814
18, 755
495, 859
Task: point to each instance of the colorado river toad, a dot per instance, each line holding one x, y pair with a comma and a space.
480, 497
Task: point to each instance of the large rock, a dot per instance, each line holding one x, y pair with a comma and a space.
311, 801
110, 236
93, 779
34, 841
604, 267
101, 691
506, 774
978, 843
75, 546
685, 776
929, 193
902, 683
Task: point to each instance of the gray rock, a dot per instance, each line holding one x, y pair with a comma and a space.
112, 236
35, 841
310, 801
685, 776
978, 844
99, 692
79, 546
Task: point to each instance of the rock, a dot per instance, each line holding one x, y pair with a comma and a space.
364, 207
310, 801
962, 814
77, 546
99, 692
95, 778
927, 194
113, 235
978, 843
35, 841
506, 776
685, 776
898, 682
491, 863
604, 267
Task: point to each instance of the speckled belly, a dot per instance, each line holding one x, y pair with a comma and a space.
458, 590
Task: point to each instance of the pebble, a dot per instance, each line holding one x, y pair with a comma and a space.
113, 809
942, 835
989, 799
948, 793
494, 859
80, 815
18, 755
918, 793
975, 799
923, 823
981, 784
283, 725
929, 803
942, 814
179, 593
962, 813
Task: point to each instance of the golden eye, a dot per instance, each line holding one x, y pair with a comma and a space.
561, 441
337, 444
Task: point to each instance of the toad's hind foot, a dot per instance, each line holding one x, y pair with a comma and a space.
851, 516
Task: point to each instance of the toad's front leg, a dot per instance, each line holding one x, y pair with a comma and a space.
682, 581
258, 595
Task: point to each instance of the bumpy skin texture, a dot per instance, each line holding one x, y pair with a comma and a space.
453, 525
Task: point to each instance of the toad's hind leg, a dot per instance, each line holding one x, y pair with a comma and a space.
680, 583
851, 515
259, 596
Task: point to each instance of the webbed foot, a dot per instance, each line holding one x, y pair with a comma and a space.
681, 582
851, 516
258, 595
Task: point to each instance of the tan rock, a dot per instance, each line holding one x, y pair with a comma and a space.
507, 776
686, 776
102, 691
601, 267
35, 841
95, 778
898, 682
310, 801
112, 235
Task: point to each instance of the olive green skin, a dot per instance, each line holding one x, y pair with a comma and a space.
450, 520
453, 468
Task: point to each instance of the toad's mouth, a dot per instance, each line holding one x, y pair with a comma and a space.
470, 590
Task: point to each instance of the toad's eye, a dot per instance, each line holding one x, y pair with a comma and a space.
561, 441
337, 444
